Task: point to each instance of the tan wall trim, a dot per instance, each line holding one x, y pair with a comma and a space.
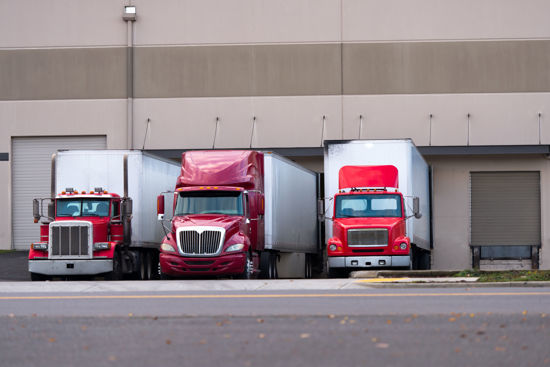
231, 71
82, 73
279, 70
447, 67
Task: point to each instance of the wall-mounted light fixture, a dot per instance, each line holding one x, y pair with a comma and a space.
129, 13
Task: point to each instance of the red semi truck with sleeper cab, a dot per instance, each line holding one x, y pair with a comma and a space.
95, 231
380, 206
239, 213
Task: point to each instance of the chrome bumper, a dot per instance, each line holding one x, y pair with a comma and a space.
70, 267
368, 261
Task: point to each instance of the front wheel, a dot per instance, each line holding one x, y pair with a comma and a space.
248, 270
116, 274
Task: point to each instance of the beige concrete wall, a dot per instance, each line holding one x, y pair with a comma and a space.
451, 204
395, 20
185, 22
280, 122
61, 23
495, 119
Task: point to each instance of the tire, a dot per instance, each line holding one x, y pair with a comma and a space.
35, 277
116, 274
336, 272
248, 270
412, 259
274, 272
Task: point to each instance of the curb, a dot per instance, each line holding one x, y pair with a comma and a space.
457, 285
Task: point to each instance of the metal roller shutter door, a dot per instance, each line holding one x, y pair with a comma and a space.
505, 208
31, 164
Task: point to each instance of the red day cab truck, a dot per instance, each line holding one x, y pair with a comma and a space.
101, 217
239, 213
379, 197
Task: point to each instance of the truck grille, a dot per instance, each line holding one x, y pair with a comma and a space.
200, 241
367, 237
70, 239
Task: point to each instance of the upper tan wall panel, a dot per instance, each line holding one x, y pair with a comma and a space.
392, 20
447, 67
229, 71
185, 22
63, 74
61, 23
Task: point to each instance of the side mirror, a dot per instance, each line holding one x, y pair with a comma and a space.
160, 205
36, 210
416, 208
51, 210
127, 207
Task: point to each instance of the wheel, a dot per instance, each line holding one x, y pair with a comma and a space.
337, 272
35, 277
248, 268
116, 274
274, 273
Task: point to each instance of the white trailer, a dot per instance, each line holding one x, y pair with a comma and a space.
414, 177
147, 176
291, 224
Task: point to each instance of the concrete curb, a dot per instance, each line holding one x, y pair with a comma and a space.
414, 284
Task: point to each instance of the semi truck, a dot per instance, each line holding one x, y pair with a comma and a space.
100, 218
240, 213
378, 192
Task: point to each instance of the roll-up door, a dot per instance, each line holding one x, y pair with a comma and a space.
505, 209
31, 165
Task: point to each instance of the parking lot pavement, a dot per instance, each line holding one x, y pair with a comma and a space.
13, 266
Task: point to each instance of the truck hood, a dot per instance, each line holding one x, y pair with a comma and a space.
230, 223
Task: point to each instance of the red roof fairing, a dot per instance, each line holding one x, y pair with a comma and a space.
242, 168
368, 176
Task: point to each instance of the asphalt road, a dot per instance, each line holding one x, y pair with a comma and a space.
270, 323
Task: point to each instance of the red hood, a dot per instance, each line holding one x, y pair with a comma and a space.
368, 222
214, 220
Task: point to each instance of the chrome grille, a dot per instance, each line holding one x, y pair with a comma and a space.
367, 237
200, 241
70, 239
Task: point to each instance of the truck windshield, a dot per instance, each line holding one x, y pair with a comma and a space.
209, 202
82, 208
368, 206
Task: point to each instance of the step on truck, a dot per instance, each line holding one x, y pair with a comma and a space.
378, 195
101, 216
241, 213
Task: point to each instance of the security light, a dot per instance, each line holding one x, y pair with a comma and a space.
129, 13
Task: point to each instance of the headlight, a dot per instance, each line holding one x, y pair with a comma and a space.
332, 247
99, 246
167, 247
236, 247
403, 246
40, 246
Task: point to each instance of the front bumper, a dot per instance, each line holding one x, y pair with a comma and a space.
174, 265
368, 261
71, 267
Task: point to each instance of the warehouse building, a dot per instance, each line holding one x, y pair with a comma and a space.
468, 81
